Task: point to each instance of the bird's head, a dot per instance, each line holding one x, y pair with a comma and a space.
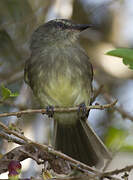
56, 30
64, 28
66, 25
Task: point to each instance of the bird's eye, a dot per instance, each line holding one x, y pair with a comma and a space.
61, 25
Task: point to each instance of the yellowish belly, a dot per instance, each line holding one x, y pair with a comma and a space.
62, 92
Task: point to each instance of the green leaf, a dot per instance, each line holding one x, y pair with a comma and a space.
125, 53
122, 52
127, 148
14, 94
6, 93
115, 138
128, 62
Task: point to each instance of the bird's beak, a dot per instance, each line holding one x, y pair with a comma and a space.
82, 27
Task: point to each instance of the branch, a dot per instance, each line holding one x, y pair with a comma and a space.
96, 93
59, 162
109, 99
119, 109
11, 138
118, 171
74, 163
70, 109
44, 148
15, 133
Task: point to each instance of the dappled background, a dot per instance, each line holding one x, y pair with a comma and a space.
113, 27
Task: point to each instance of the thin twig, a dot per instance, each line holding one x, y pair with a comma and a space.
118, 171
8, 131
96, 93
11, 138
73, 162
119, 109
112, 178
44, 111
109, 99
32, 157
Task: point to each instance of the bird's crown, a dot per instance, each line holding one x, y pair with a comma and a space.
62, 23
67, 24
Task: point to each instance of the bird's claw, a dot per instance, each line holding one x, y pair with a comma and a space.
50, 111
82, 111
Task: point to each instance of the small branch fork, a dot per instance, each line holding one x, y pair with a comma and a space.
44, 111
42, 153
48, 149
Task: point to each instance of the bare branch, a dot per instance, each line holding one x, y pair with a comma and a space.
58, 161
119, 109
15, 133
118, 171
11, 138
109, 100
44, 148
96, 93
70, 109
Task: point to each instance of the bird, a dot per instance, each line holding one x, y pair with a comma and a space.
60, 74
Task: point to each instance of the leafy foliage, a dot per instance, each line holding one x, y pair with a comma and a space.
115, 138
6, 93
125, 53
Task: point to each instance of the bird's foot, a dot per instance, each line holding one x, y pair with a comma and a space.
50, 111
82, 111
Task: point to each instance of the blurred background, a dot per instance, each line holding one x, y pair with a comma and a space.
113, 22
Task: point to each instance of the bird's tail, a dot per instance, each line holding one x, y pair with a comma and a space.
79, 141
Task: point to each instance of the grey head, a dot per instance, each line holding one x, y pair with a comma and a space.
65, 24
56, 31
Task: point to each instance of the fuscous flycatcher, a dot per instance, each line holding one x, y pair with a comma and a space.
60, 75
